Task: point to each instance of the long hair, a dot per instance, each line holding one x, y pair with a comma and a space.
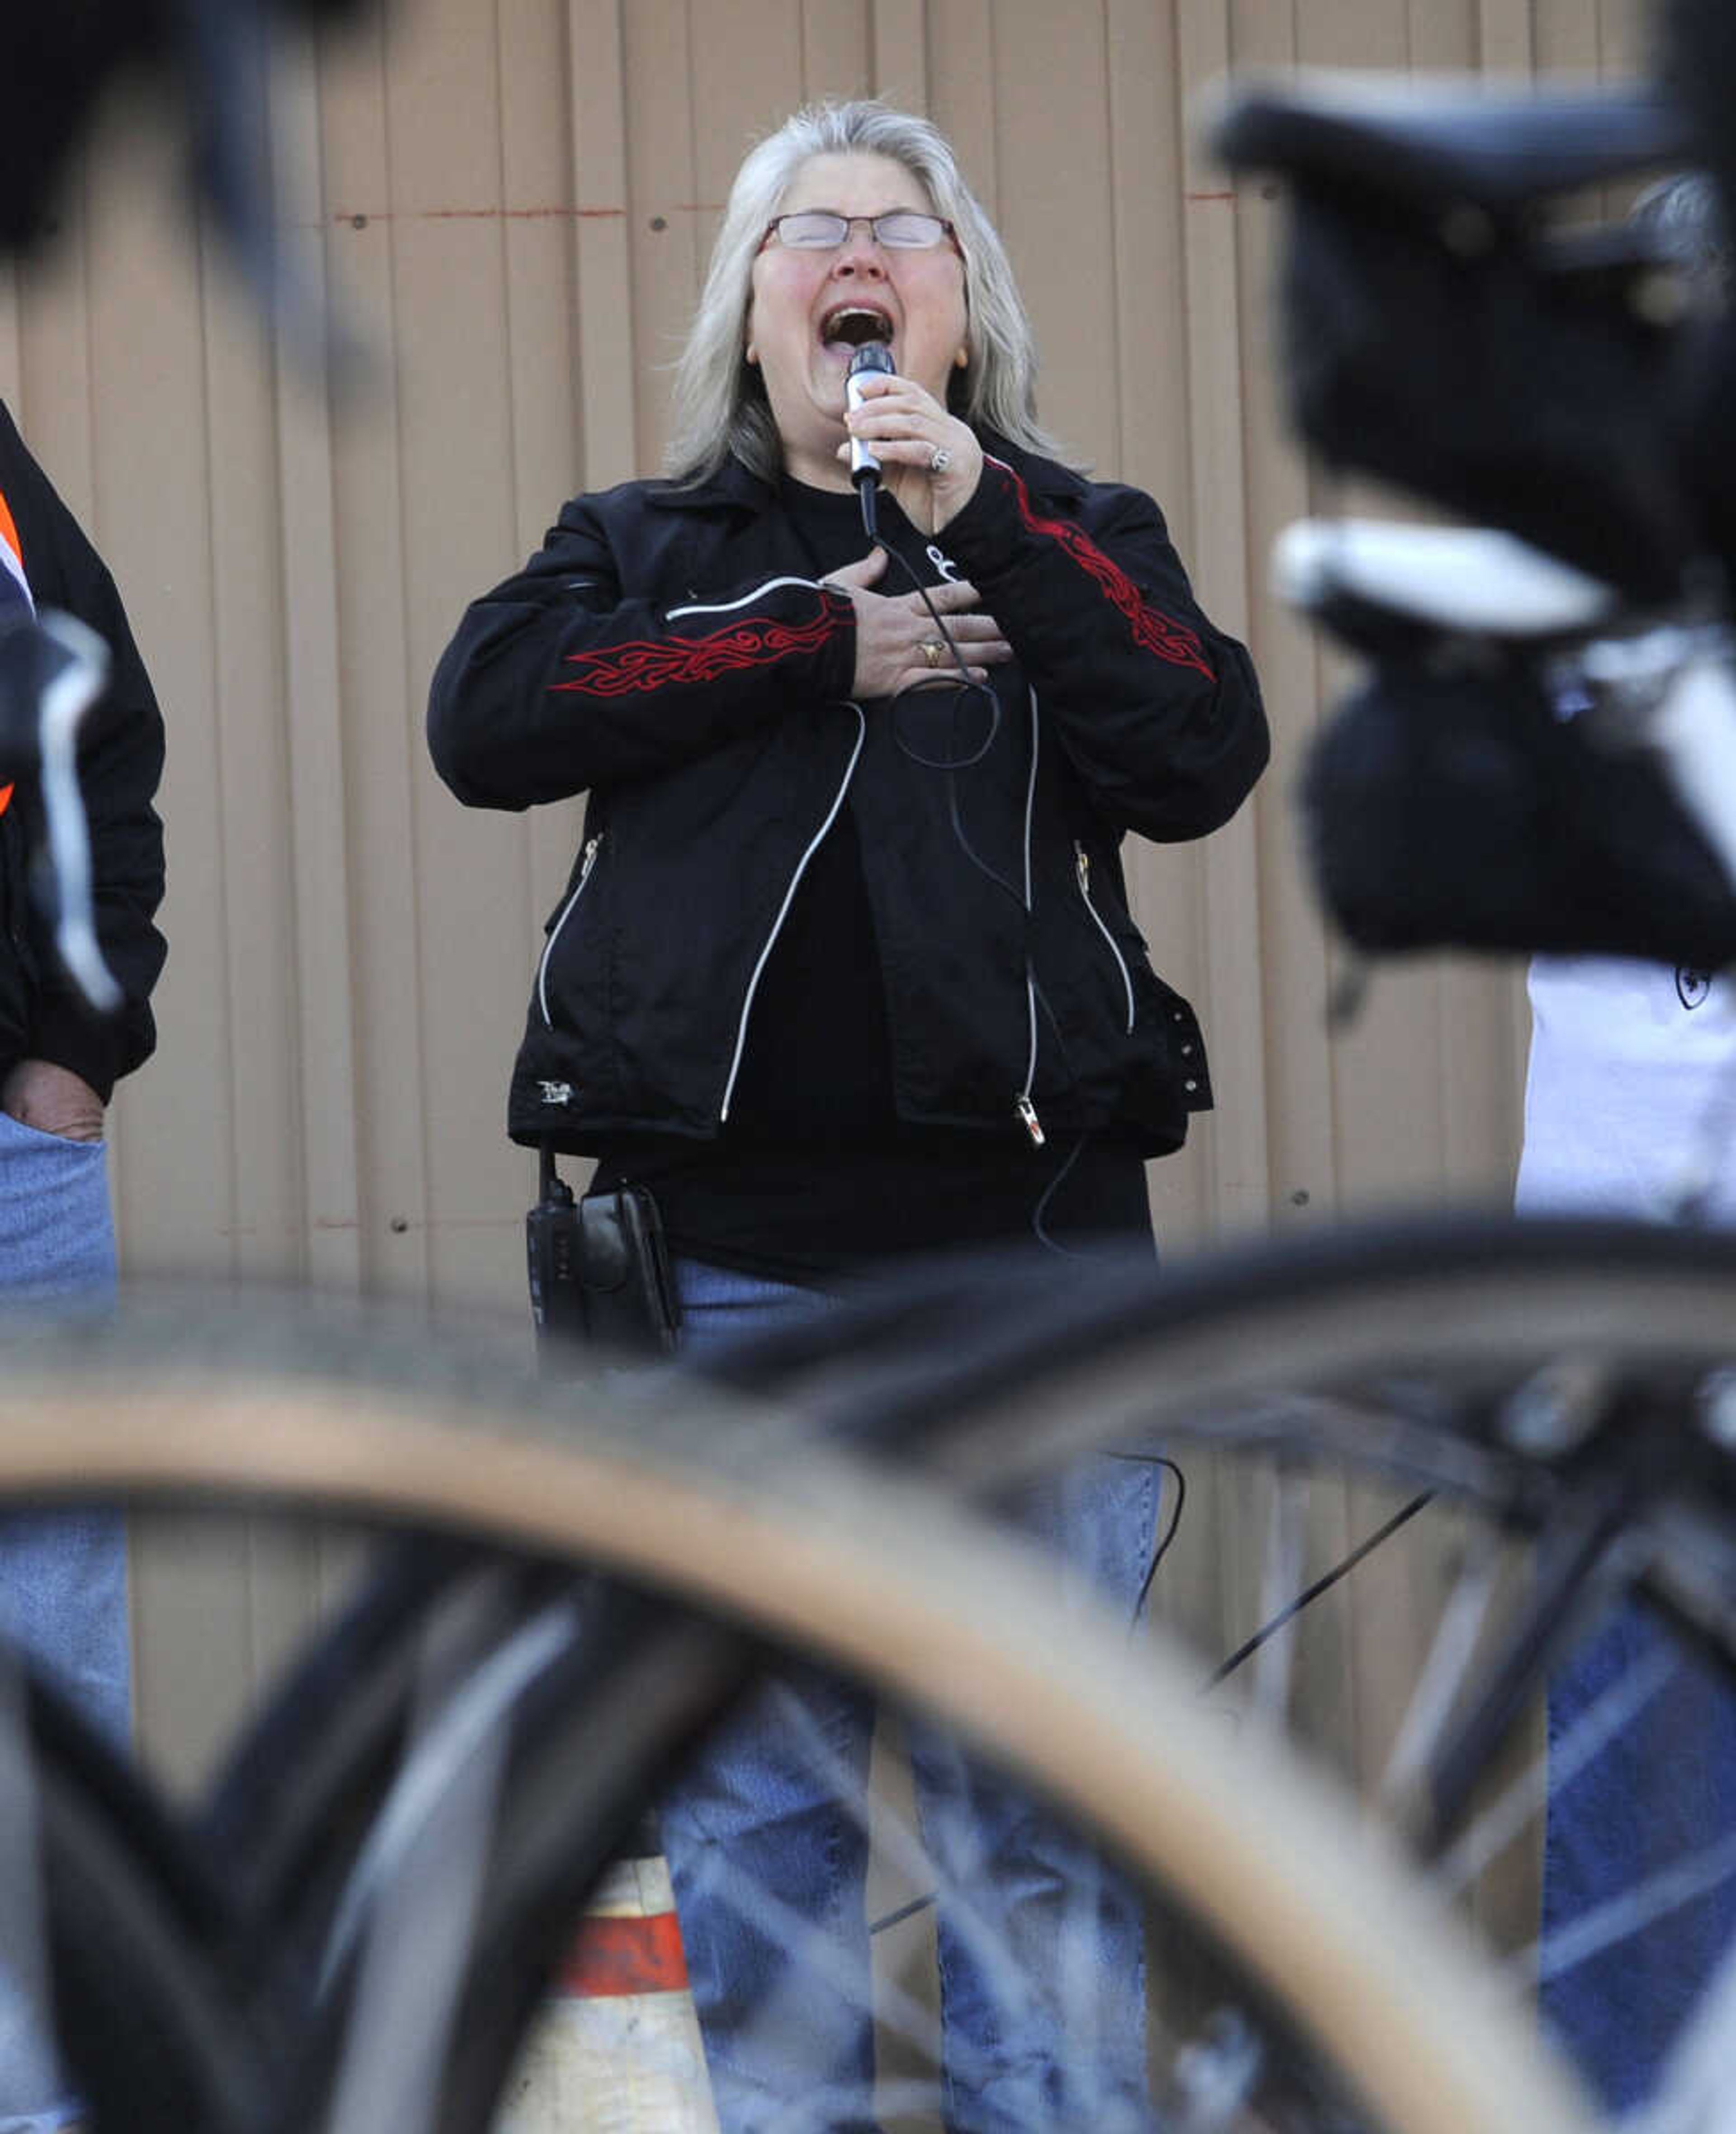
719, 404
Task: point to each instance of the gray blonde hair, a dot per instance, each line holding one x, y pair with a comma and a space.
719, 404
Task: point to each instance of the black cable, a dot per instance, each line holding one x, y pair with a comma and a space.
1312, 1593
949, 765
1158, 1459
1049, 1191
966, 687
904, 1911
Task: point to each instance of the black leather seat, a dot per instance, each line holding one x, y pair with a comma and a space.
1446, 146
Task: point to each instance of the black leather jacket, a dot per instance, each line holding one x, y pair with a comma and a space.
669, 650
120, 761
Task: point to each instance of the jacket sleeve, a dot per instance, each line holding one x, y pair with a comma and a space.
120, 763
558, 680
1159, 713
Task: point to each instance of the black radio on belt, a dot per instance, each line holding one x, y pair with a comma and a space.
599, 1271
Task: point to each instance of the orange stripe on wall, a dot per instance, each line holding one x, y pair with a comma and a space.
611, 1956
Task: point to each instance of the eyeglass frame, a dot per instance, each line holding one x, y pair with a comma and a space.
948, 235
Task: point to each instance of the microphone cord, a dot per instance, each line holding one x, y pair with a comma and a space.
1323, 1584
949, 765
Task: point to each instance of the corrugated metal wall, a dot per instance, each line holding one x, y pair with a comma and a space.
513, 199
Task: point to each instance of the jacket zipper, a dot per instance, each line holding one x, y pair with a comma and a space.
554, 931
1022, 1104
771, 941
1084, 891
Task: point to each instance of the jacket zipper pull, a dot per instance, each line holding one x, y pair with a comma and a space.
1028, 1119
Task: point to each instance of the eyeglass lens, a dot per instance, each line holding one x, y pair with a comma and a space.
818, 230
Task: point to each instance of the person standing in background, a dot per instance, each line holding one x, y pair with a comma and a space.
63, 1575
1631, 1110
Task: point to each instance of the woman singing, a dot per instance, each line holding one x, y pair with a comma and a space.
845, 971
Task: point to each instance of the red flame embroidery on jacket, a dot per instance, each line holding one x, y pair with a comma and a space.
674, 663
1157, 634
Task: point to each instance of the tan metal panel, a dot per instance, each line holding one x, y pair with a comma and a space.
313, 719
459, 535
1566, 36
1144, 208
1507, 36
835, 48
1296, 969
1217, 554
379, 693
608, 371
258, 985
149, 512
1441, 36
900, 60
155, 499
961, 43
1050, 87
664, 117
1351, 33
745, 75
1624, 36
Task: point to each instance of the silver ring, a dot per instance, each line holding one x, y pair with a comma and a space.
939, 459
933, 651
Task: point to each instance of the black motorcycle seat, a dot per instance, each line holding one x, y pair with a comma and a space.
1446, 144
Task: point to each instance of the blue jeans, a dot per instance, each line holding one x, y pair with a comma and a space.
1041, 1950
63, 1575
1657, 1799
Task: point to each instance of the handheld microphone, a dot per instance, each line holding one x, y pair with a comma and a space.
872, 355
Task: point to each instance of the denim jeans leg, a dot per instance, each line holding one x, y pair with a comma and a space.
63, 1575
1661, 1794
766, 1847
1041, 1943
768, 1853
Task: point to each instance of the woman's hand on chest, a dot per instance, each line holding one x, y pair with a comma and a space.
897, 644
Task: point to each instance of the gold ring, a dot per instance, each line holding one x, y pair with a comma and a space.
933, 652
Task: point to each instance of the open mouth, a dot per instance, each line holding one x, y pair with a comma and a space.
852, 326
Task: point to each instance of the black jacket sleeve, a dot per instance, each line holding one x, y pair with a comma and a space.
120, 763
1158, 711
560, 680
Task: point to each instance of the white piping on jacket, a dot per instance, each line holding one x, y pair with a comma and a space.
1030, 977
1083, 869
727, 607
554, 931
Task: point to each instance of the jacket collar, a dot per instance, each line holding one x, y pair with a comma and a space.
735, 487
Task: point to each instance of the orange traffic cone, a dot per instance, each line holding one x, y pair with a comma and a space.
617, 2049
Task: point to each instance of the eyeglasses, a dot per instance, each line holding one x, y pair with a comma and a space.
818, 230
